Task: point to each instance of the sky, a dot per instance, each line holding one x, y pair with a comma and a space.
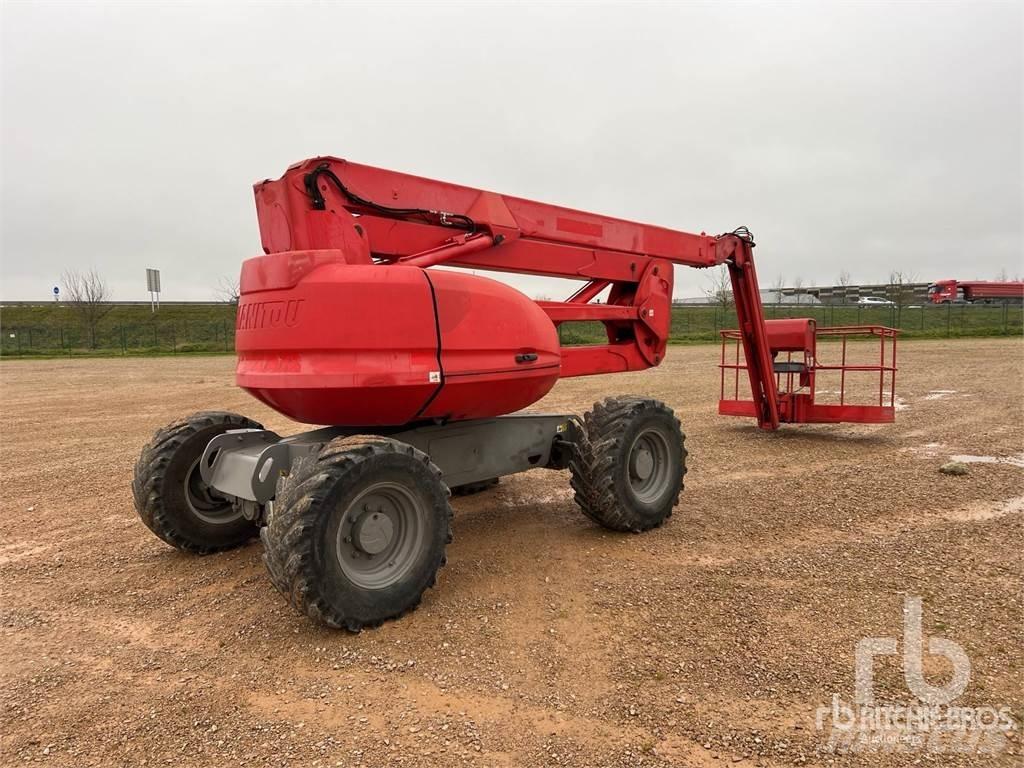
863, 137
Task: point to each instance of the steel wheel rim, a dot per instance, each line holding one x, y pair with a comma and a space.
382, 533
204, 502
648, 466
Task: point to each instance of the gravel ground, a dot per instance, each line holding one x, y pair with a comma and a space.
548, 641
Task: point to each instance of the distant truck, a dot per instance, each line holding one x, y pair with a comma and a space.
975, 292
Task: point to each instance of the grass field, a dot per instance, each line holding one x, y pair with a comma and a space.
55, 329
49, 329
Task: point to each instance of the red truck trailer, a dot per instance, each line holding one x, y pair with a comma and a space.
976, 292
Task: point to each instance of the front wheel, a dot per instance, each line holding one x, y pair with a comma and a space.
357, 533
170, 495
629, 463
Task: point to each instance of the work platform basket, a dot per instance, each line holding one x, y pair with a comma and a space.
825, 375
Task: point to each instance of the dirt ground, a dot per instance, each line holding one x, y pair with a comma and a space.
547, 641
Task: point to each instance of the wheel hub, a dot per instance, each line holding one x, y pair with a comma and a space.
382, 534
648, 465
372, 532
643, 463
205, 503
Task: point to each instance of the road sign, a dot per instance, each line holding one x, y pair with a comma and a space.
56, 293
153, 286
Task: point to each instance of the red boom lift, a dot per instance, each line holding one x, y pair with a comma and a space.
420, 373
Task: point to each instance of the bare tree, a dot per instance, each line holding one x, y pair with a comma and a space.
1002, 276
798, 288
777, 286
844, 281
87, 293
228, 290
720, 291
900, 290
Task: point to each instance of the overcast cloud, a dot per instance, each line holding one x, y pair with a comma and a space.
864, 137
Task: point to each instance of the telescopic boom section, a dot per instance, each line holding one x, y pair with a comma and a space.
331, 209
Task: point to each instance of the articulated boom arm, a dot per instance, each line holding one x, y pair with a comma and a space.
379, 216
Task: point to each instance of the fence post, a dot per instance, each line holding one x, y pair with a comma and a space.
949, 316
156, 338
17, 335
224, 328
1006, 316
124, 343
61, 329
174, 338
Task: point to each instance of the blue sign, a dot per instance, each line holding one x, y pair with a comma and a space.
56, 291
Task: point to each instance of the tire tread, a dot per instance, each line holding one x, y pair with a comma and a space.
288, 539
593, 465
148, 480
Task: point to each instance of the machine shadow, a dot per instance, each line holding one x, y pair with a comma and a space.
810, 434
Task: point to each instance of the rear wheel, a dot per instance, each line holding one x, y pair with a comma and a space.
358, 532
170, 495
629, 464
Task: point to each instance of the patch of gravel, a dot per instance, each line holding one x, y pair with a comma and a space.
548, 641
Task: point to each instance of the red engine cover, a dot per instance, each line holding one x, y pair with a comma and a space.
329, 342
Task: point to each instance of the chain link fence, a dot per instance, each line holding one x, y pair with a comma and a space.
939, 320
690, 323
701, 322
155, 338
